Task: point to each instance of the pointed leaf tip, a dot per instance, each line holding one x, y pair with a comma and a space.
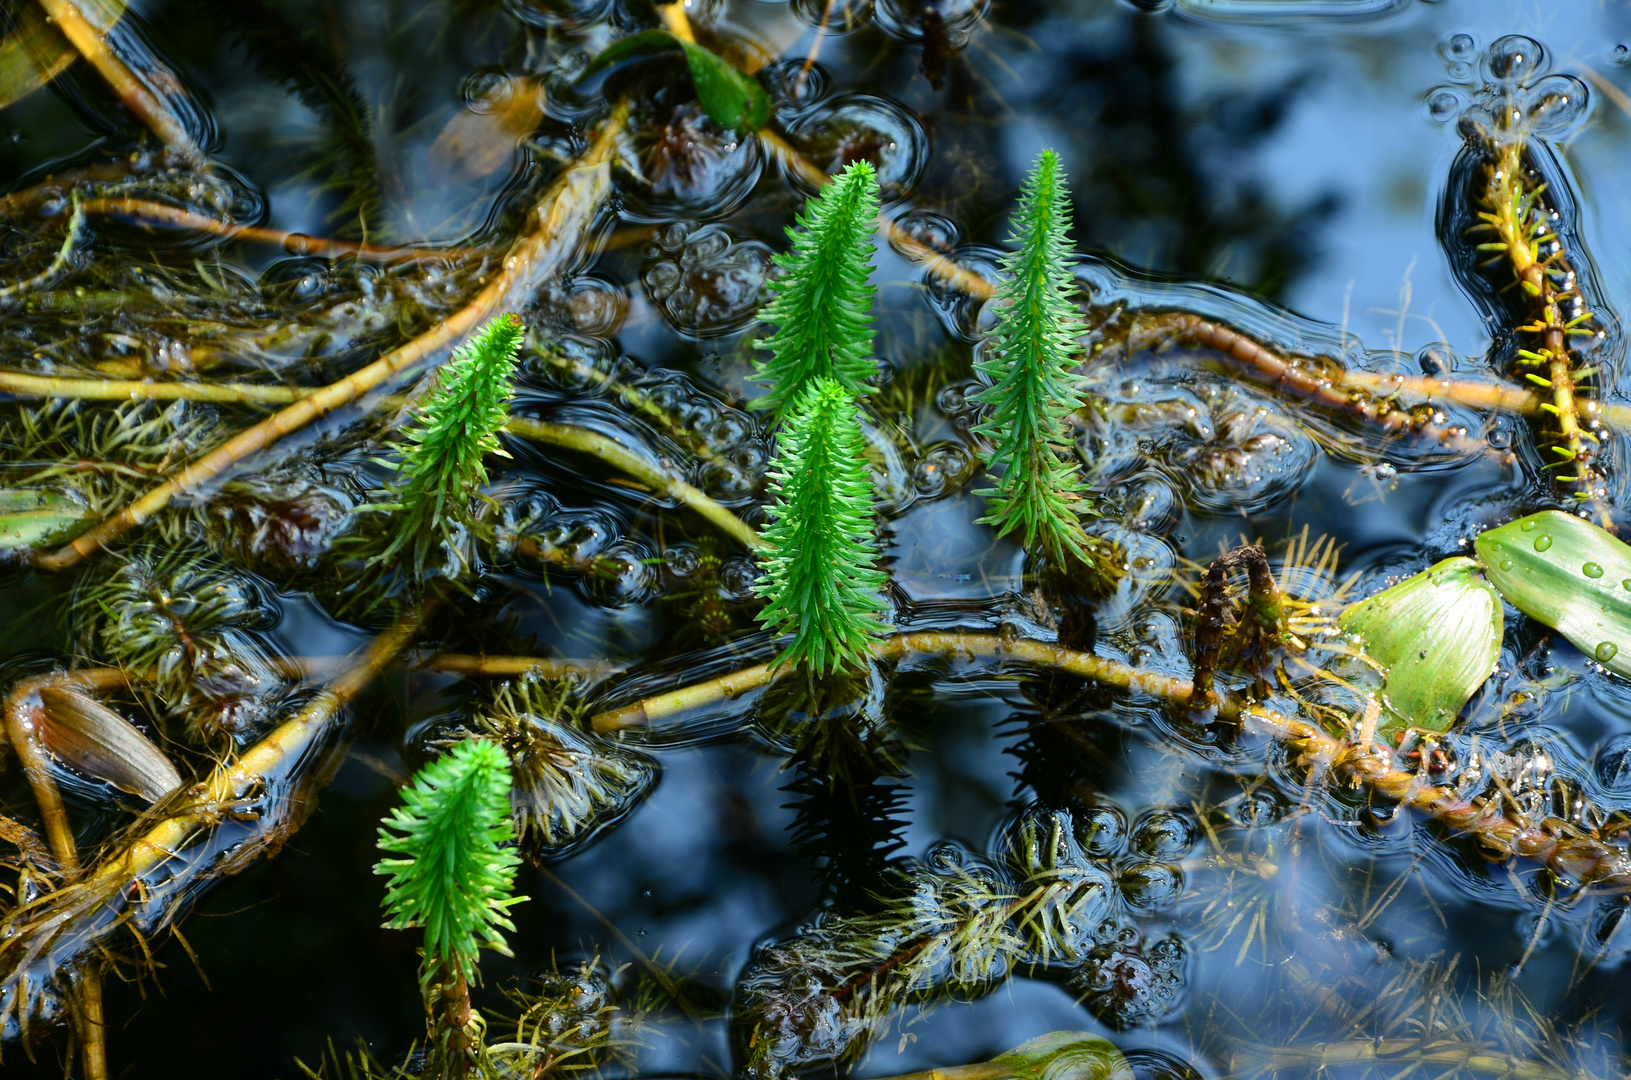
1569, 574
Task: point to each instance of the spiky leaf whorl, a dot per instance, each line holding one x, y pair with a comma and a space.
822, 308
821, 575
1028, 358
442, 466
456, 879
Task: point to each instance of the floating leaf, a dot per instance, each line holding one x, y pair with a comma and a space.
85, 734
34, 53
1569, 574
1437, 635
730, 98
1064, 1055
30, 518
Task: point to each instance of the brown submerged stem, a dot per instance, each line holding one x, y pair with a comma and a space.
1562, 847
147, 212
564, 216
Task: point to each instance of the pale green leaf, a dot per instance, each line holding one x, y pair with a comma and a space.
1065, 1055
730, 98
30, 518
1569, 574
1437, 636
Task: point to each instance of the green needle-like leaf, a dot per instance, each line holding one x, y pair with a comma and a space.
456, 880
1569, 574
821, 575
1437, 635
1028, 358
823, 303
442, 464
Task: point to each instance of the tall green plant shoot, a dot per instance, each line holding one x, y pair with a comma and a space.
821, 576
1027, 359
442, 464
823, 302
455, 877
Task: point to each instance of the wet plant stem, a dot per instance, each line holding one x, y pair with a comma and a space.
563, 219
623, 459
76, 228
68, 919
1412, 1054
456, 1017
21, 707
1563, 848
1525, 237
148, 213
92, 43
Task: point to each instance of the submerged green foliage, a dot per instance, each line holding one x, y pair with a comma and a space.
821, 575
442, 464
823, 303
456, 879
1028, 358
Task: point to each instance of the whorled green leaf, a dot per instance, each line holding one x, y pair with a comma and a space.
1064, 1055
1437, 636
1569, 574
730, 98
30, 518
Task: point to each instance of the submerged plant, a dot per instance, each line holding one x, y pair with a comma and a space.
568, 783
821, 575
442, 465
823, 303
1028, 358
456, 877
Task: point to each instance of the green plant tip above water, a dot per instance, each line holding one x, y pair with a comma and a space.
455, 878
823, 302
821, 577
1028, 359
451, 433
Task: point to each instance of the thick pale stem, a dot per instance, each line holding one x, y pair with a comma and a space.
564, 217
950, 645
625, 460
92, 43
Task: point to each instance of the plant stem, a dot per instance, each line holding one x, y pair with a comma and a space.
20, 708
23, 384
69, 926
934, 262
947, 644
456, 1015
92, 42
564, 215
625, 460
1321, 1058
76, 226
147, 212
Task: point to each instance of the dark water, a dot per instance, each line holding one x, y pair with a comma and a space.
1283, 166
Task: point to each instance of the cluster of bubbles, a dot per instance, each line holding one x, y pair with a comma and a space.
1508, 88
704, 280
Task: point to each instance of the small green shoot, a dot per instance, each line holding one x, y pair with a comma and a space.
1028, 359
821, 575
823, 303
456, 878
451, 433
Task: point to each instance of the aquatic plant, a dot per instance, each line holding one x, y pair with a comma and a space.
1028, 359
823, 301
444, 447
567, 783
821, 579
455, 876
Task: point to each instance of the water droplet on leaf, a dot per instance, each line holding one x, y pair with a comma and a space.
1543, 542
1592, 570
1606, 652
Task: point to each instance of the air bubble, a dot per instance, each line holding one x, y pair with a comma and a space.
1543, 542
1444, 105
1620, 54
1606, 651
854, 127
1459, 47
1592, 570
1515, 58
